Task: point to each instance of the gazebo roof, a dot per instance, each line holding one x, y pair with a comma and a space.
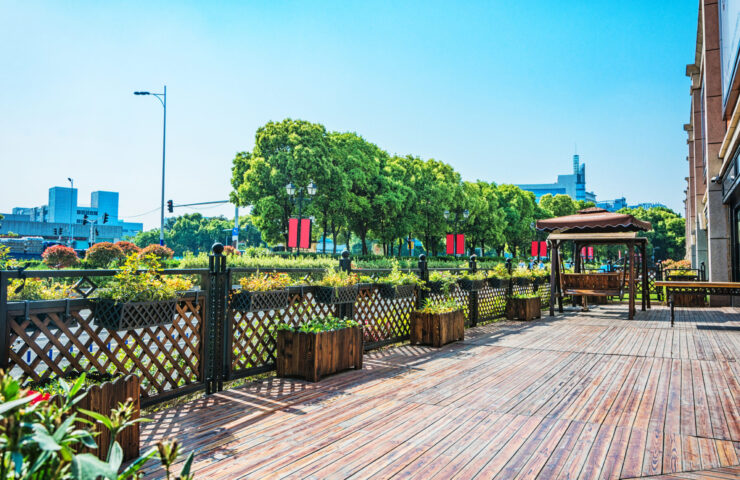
594, 220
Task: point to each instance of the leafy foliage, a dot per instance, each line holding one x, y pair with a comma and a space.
667, 239
60, 256
37, 289
319, 324
162, 252
127, 247
398, 277
448, 305
103, 254
265, 282
41, 440
131, 285
337, 278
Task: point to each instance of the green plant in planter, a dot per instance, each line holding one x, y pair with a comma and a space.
132, 285
446, 280
479, 275
257, 282
398, 277
41, 439
37, 289
335, 278
318, 324
523, 296
499, 271
448, 305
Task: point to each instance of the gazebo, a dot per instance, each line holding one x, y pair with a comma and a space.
595, 226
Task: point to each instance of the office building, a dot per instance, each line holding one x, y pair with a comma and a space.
573, 184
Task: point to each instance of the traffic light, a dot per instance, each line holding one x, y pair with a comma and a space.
55, 231
105, 218
170, 207
84, 219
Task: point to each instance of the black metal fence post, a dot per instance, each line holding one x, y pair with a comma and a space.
473, 313
424, 277
215, 354
510, 287
345, 310
703, 272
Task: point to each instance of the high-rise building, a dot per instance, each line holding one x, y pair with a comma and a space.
712, 194
573, 185
53, 221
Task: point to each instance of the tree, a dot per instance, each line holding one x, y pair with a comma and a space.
519, 215
667, 239
559, 205
102, 254
485, 224
394, 217
291, 151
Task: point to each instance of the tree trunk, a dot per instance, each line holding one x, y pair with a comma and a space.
334, 237
363, 236
323, 248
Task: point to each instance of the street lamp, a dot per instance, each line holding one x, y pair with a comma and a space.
456, 221
71, 195
162, 97
310, 191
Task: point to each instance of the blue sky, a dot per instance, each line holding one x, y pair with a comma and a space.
501, 90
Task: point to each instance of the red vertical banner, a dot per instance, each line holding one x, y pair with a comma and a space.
292, 232
460, 244
450, 246
620, 254
583, 252
543, 249
590, 253
305, 233
535, 248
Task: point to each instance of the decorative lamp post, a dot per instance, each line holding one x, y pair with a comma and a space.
299, 195
162, 97
71, 196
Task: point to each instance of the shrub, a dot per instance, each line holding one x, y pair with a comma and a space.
397, 277
102, 254
160, 251
318, 324
43, 439
37, 289
448, 305
334, 278
131, 285
265, 282
229, 250
128, 248
60, 256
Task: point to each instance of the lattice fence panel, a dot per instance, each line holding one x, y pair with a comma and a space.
458, 294
384, 320
46, 344
491, 303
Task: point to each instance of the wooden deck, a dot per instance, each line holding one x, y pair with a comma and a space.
583, 395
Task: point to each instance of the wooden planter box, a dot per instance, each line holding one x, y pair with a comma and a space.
689, 300
437, 329
313, 356
103, 398
396, 291
259, 301
132, 315
523, 308
335, 295
521, 282
472, 285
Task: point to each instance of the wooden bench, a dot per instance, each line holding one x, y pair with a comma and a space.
592, 285
697, 288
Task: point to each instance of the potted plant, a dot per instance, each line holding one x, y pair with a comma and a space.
138, 296
397, 284
103, 393
498, 276
540, 276
336, 287
523, 307
318, 347
472, 282
441, 282
437, 323
262, 292
521, 276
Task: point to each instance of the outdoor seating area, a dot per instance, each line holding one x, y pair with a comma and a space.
579, 395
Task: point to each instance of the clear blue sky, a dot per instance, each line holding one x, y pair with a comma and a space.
502, 90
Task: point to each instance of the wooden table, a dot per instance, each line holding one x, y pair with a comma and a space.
700, 288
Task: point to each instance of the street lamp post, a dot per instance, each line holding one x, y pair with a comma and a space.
162, 97
71, 196
309, 190
456, 222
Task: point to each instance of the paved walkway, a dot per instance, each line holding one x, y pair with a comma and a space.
580, 395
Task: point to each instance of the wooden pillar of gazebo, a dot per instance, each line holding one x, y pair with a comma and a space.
631, 248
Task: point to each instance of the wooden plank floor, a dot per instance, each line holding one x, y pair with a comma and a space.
580, 395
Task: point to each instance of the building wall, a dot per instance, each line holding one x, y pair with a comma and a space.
573, 184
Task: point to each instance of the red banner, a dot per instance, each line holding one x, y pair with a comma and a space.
535, 248
305, 232
450, 244
292, 232
543, 249
583, 252
590, 253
